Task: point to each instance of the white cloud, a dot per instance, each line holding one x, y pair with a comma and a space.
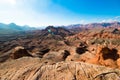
24, 13
109, 20
114, 19
82, 22
117, 17
11, 2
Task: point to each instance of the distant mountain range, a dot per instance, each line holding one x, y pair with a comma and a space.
104, 24
12, 28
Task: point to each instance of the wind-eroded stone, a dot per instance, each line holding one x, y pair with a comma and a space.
19, 52
105, 56
36, 69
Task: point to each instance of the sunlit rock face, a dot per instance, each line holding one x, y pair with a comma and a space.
19, 52
106, 56
36, 69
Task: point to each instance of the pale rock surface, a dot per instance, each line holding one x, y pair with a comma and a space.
36, 69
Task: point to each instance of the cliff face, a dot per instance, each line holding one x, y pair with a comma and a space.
106, 56
36, 69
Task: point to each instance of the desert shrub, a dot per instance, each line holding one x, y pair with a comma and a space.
99, 41
115, 42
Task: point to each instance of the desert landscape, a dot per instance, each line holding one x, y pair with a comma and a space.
84, 52
59, 39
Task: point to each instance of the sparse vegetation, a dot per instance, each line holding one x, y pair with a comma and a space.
115, 41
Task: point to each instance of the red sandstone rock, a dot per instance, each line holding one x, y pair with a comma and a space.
105, 56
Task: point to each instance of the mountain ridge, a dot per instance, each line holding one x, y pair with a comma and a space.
13, 28
103, 24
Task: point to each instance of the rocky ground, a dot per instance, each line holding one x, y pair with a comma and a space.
36, 69
62, 54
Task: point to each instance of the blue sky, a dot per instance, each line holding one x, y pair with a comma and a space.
58, 12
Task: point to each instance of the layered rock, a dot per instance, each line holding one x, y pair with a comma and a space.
106, 56
19, 52
36, 69
39, 52
57, 56
15, 53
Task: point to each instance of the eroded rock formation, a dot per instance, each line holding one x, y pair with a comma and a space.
19, 52
36, 69
105, 56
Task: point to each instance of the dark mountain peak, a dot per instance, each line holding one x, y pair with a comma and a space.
50, 27
54, 31
116, 31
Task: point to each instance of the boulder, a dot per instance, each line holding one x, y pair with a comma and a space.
39, 52
19, 52
118, 63
105, 56
74, 57
57, 56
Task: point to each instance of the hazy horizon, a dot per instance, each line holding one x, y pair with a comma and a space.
37, 13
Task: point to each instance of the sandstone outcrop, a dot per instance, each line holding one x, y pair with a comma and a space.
105, 56
19, 52
57, 56
39, 52
35, 69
